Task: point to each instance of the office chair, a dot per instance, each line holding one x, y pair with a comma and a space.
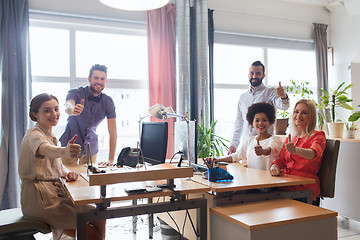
14, 226
327, 170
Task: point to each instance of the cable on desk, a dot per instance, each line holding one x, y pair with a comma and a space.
192, 224
183, 228
178, 152
181, 237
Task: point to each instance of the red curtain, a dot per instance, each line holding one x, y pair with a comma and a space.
162, 68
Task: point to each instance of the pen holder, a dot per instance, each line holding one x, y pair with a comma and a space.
218, 174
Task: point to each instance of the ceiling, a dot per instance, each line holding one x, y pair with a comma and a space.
95, 8
315, 2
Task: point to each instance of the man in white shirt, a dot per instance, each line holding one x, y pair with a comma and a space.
257, 92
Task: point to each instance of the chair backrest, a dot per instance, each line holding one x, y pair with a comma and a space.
14, 226
327, 170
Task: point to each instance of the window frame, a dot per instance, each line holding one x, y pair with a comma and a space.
262, 42
79, 23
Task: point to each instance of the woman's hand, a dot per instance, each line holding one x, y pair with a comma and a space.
71, 176
275, 170
72, 150
244, 162
258, 148
290, 146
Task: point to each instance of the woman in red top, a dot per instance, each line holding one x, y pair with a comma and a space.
302, 151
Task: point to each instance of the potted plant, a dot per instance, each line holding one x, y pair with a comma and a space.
282, 122
208, 143
295, 91
350, 129
331, 101
350, 133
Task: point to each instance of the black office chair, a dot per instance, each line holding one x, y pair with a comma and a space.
327, 172
14, 226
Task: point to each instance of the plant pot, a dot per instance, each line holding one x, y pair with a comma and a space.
335, 129
349, 134
281, 125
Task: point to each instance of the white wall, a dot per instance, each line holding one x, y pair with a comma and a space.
345, 39
267, 17
91, 8
260, 17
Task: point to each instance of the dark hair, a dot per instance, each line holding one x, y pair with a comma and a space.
36, 102
258, 63
261, 107
99, 67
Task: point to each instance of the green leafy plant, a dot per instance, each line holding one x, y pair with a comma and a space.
282, 113
321, 116
208, 143
351, 126
335, 98
293, 91
355, 116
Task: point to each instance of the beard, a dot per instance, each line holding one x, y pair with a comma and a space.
94, 91
256, 83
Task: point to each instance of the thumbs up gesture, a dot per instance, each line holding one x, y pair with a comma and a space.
281, 92
290, 146
258, 148
78, 108
72, 150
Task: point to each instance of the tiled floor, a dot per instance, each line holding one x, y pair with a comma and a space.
121, 228
347, 230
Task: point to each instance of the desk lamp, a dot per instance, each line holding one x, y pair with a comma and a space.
160, 112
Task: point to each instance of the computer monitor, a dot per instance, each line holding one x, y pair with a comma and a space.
153, 142
180, 142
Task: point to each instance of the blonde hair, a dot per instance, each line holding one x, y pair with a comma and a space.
310, 128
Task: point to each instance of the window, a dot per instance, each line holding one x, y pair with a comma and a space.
58, 90
124, 55
62, 54
231, 65
50, 49
285, 64
233, 55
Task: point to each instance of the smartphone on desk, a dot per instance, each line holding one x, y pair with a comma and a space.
128, 157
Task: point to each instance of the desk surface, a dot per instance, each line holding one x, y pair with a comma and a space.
271, 213
81, 193
251, 178
356, 140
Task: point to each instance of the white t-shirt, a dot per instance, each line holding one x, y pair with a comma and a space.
261, 93
247, 152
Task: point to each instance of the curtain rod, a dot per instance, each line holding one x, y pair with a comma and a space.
262, 16
84, 17
265, 36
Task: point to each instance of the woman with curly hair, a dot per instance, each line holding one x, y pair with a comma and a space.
260, 150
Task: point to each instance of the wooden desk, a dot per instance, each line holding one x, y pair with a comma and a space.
251, 178
280, 219
81, 193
